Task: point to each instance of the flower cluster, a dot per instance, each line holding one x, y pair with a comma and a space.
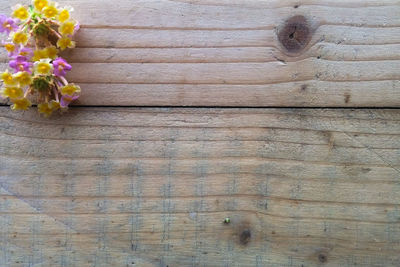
35, 36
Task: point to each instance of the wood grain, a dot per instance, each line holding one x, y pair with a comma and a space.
151, 187
209, 52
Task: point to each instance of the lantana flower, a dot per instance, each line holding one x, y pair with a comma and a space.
35, 36
23, 78
61, 67
7, 25
26, 52
13, 92
70, 89
65, 42
21, 104
40, 4
21, 63
20, 38
7, 78
67, 99
20, 12
64, 14
67, 28
50, 11
49, 52
11, 48
43, 67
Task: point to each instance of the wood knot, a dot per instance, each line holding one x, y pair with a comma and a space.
245, 237
295, 34
322, 258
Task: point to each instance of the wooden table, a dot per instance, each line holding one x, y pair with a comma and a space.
280, 116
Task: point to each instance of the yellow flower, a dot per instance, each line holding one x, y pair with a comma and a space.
39, 54
64, 15
65, 42
67, 28
51, 52
23, 78
8, 78
20, 12
10, 47
43, 67
70, 89
21, 104
45, 109
54, 105
40, 4
50, 11
20, 38
12, 92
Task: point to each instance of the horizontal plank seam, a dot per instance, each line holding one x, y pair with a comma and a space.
262, 28
190, 140
228, 107
255, 196
280, 61
211, 127
214, 159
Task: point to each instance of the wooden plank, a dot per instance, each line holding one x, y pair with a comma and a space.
151, 187
206, 53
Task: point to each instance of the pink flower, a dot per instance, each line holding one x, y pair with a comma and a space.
67, 99
7, 24
11, 48
20, 63
61, 67
26, 52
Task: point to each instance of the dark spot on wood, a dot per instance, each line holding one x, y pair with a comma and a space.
365, 170
304, 87
273, 232
205, 252
296, 6
322, 258
347, 98
245, 237
295, 34
319, 57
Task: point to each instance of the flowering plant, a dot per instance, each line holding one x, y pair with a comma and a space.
35, 36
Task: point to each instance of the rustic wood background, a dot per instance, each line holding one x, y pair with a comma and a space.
176, 131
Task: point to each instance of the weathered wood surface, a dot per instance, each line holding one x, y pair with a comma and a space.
227, 53
107, 186
151, 187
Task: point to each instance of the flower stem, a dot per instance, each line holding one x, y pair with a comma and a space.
63, 80
56, 93
55, 32
27, 92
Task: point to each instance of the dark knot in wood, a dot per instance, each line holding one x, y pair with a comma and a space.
245, 236
295, 34
322, 258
